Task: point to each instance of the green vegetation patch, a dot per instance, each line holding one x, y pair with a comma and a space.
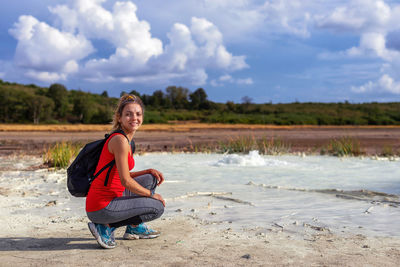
345, 146
34, 104
61, 154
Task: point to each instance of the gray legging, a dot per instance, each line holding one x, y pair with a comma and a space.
130, 208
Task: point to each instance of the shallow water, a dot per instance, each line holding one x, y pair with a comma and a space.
342, 194
268, 193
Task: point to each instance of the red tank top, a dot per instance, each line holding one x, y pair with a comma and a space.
99, 196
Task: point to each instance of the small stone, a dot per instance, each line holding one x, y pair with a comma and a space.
51, 203
246, 256
213, 213
193, 210
365, 246
178, 210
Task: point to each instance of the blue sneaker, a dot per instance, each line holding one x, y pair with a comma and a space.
103, 234
140, 232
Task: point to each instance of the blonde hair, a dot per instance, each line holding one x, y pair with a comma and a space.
123, 101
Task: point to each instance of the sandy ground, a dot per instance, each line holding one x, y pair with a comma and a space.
301, 139
187, 242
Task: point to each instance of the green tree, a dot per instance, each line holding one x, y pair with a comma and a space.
104, 94
178, 96
134, 92
157, 99
59, 94
198, 99
41, 108
84, 107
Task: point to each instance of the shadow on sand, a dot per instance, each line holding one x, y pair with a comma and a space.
50, 244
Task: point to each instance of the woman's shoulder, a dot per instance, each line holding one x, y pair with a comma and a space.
117, 140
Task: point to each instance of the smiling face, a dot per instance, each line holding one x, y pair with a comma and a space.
131, 118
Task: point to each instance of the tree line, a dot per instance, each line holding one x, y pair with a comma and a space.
55, 104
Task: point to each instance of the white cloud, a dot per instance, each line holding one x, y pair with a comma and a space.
372, 20
356, 16
372, 45
224, 79
42, 48
376, 22
247, 81
49, 54
288, 16
384, 84
45, 76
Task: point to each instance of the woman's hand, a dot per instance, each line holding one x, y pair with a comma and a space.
159, 176
159, 197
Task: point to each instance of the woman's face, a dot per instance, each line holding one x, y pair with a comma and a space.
131, 117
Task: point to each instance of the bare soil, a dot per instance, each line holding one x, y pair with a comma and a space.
185, 242
148, 139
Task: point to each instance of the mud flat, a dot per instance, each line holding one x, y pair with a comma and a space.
185, 137
42, 225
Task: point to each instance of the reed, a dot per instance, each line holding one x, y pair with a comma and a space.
244, 144
240, 144
61, 154
388, 151
345, 146
273, 146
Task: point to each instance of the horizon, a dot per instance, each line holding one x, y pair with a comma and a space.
276, 51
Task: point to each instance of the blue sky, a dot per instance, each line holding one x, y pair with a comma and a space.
272, 51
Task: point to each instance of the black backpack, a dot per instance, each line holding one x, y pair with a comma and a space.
80, 174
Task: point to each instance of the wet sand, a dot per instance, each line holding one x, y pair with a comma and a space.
301, 139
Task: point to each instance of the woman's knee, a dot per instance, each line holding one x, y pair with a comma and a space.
147, 180
159, 207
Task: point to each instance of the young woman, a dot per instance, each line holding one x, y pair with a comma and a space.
128, 198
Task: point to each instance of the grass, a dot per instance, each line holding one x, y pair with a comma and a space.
345, 146
61, 154
273, 146
244, 144
388, 151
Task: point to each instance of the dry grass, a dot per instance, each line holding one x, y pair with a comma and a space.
61, 154
171, 127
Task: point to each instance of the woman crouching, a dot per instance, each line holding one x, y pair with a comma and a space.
128, 198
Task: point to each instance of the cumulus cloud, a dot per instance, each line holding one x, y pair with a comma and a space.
376, 22
288, 16
51, 54
47, 51
357, 16
384, 84
370, 19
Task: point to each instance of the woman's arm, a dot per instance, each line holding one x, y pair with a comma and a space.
119, 146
